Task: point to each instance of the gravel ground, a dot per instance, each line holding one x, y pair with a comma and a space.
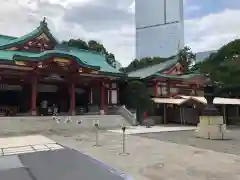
231, 146
154, 159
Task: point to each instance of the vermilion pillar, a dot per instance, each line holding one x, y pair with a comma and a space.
102, 98
156, 89
91, 96
72, 100
195, 90
34, 97
168, 88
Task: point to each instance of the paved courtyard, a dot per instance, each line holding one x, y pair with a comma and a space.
153, 158
231, 146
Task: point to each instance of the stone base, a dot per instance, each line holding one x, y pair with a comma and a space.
102, 112
211, 127
33, 113
73, 113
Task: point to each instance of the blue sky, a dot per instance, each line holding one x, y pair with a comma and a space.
209, 24
200, 8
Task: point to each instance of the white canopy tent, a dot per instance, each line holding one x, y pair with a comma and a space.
179, 100
217, 100
169, 101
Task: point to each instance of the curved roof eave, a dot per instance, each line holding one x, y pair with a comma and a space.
174, 77
115, 74
45, 55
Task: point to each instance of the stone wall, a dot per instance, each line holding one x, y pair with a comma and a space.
40, 124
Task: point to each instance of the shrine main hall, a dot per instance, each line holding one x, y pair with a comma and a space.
35, 68
37, 71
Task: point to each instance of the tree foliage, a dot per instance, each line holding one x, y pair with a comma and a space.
143, 63
186, 58
223, 65
137, 97
92, 45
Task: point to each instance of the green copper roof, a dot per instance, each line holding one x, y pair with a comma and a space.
5, 39
84, 58
38, 31
150, 71
177, 77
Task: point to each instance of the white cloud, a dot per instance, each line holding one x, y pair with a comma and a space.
212, 31
18, 17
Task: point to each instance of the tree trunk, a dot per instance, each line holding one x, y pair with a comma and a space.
139, 115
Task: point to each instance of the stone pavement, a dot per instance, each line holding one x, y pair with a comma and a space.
230, 146
152, 159
26, 144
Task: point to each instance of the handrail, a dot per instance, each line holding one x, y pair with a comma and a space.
129, 112
128, 115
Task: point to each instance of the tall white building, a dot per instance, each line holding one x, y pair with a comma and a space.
159, 27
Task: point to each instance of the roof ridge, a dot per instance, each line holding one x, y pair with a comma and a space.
3, 35
153, 65
42, 28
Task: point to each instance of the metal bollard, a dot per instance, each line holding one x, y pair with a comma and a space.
97, 134
123, 153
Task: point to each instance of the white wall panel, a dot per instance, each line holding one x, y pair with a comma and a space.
160, 41
114, 96
172, 10
149, 12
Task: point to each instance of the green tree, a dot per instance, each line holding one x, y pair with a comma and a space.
111, 59
143, 63
186, 58
78, 43
96, 46
224, 64
92, 45
137, 97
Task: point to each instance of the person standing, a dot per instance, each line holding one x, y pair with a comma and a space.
44, 107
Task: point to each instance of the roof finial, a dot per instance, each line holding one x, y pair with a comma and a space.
44, 21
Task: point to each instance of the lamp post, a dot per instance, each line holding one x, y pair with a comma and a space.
209, 94
123, 153
96, 125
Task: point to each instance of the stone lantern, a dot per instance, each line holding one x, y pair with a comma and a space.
209, 94
211, 125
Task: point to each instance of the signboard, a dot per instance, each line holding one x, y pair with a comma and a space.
20, 63
61, 60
